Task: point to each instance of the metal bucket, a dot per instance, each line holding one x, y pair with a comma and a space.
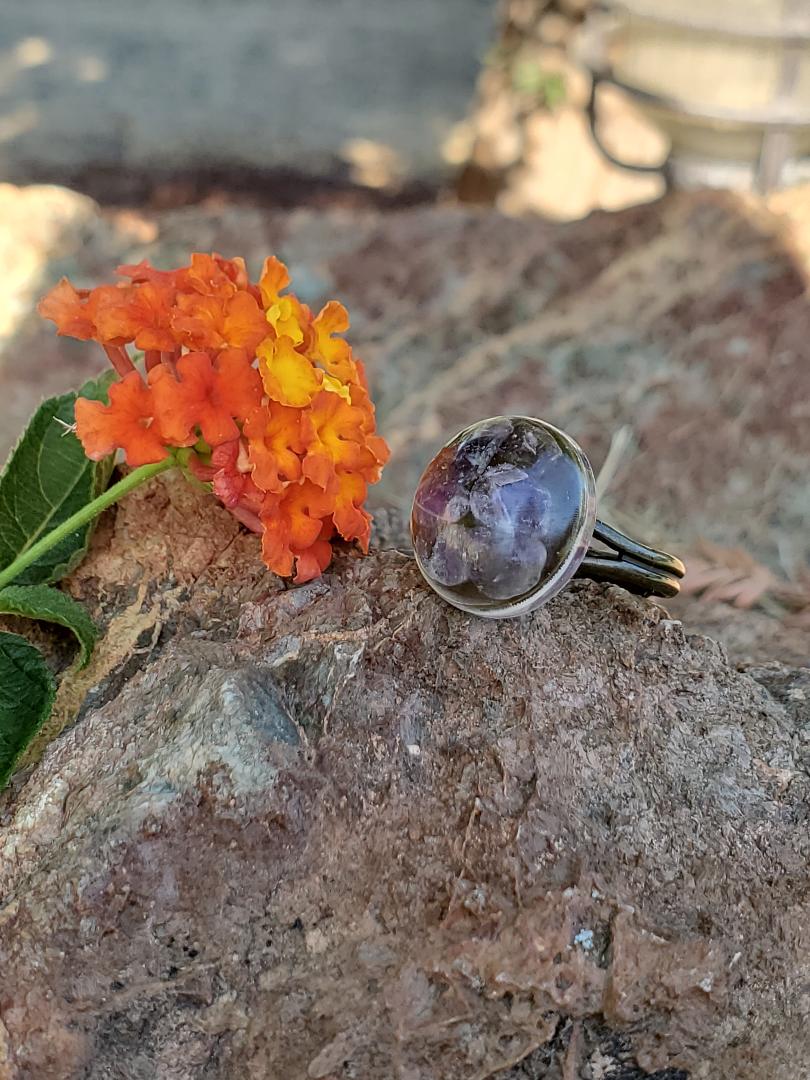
727, 81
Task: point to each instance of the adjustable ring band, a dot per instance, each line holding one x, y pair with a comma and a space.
636, 567
505, 515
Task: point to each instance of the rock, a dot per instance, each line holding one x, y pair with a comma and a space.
346, 830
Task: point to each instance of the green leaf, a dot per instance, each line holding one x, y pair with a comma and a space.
27, 691
50, 605
45, 481
98, 389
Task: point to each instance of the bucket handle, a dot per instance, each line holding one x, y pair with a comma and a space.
591, 110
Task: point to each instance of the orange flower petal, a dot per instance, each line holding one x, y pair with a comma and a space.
292, 522
333, 318
153, 311
234, 269
275, 277
362, 379
333, 352
127, 423
379, 448
275, 550
207, 275
288, 377
216, 322
351, 520
286, 314
144, 271
336, 441
283, 318
274, 445
304, 506
67, 308
239, 385
138, 313
244, 325
312, 561
197, 321
191, 401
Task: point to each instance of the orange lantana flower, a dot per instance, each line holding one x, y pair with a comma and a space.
275, 445
351, 520
67, 307
293, 522
286, 314
216, 322
128, 423
268, 401
211, 275
201, 400
333, 352
335, 440
289, 376
141, 314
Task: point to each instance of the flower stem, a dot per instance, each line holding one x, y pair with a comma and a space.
82, 517
120, 360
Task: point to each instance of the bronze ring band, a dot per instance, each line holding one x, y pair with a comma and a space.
636, 567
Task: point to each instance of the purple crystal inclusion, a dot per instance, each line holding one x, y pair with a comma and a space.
503, 515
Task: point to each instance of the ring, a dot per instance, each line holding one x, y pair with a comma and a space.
505, 516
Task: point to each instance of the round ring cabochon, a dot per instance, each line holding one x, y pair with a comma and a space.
503, 516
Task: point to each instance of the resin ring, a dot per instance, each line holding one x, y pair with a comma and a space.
505, 515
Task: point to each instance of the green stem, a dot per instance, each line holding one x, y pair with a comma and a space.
83, 516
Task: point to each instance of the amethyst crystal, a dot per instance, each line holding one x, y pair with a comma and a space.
503, 515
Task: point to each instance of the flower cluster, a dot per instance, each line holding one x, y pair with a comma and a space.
267, 397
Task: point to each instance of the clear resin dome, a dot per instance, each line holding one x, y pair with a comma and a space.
503, 516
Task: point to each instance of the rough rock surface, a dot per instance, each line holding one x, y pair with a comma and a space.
346, 831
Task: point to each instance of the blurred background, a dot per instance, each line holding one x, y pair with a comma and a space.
525, 103
597, 213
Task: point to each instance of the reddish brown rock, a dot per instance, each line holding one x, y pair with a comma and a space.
345, 830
